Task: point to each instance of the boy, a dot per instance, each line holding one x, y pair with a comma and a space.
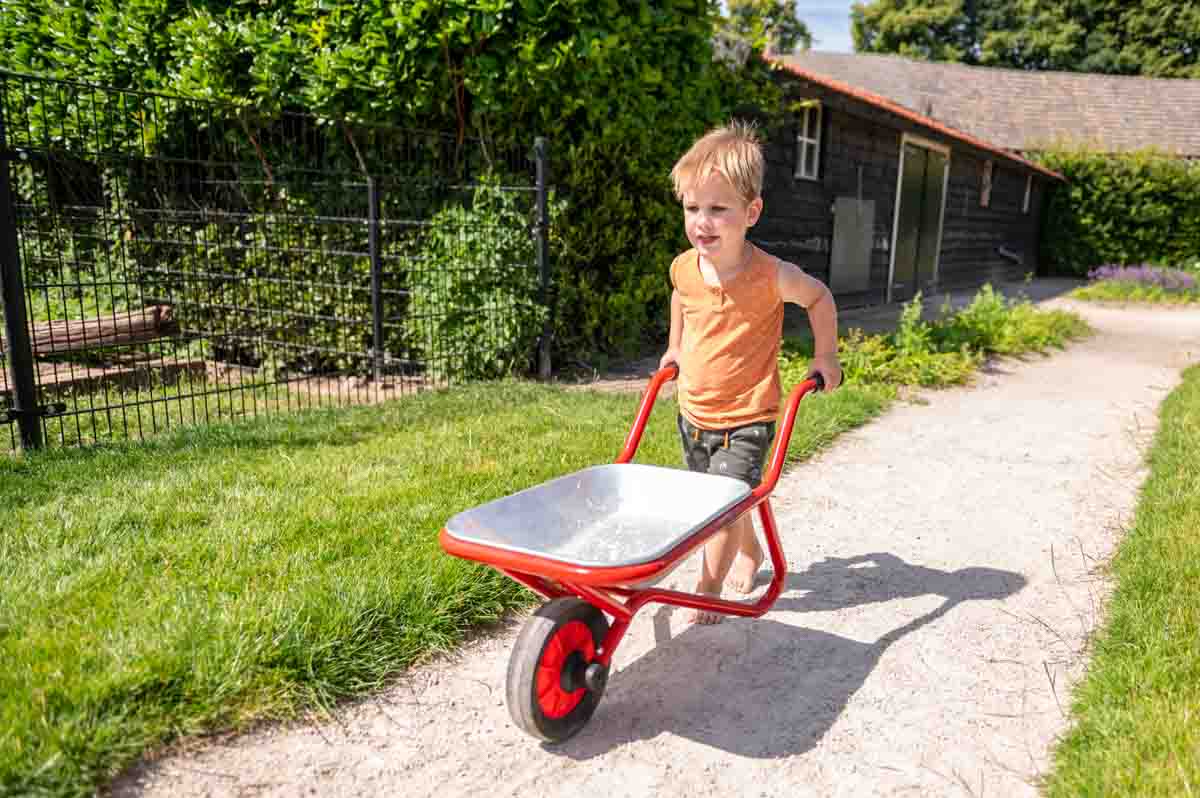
726, 328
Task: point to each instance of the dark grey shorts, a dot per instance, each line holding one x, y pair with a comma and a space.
738, 452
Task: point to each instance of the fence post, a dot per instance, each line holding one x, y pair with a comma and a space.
542, 230
16, 323
376, 276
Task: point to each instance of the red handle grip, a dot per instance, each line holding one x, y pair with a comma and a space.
784, 434
663, 375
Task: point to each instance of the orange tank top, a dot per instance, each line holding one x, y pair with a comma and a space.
729, 350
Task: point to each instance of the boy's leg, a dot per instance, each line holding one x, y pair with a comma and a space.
742, 457
749, 559
738, 454
719, 554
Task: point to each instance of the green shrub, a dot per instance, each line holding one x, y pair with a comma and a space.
475, 311
993, 324
877, 359
913, 335
267, 289
980, 326
1120, 209
946, 351
619, 87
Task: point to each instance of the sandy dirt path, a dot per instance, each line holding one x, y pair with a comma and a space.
945, 572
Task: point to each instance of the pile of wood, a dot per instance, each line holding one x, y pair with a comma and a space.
58, 377
63, 337
74, 335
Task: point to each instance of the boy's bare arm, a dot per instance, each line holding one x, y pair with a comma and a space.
813, 295
676, 335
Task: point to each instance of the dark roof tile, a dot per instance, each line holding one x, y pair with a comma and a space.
913, 116
1022, 110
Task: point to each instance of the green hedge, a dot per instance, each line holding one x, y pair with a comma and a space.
619, 87
1142, 207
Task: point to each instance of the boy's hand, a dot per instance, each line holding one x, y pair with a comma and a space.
830, 369
669, 357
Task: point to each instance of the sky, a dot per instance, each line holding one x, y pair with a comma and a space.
829, 21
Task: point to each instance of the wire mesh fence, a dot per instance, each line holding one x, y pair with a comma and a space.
168, 262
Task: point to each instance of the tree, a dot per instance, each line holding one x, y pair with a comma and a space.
1156, 38
768, 25
938, 30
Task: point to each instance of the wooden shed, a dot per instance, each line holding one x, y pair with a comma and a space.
881, 201
1022, 110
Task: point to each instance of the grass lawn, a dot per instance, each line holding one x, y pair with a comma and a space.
218, 575
116, 414
237, 572
1137, 713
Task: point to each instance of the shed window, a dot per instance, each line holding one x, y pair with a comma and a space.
808, 142
1028, 193
985, 186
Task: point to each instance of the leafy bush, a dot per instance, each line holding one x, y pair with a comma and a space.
474, 311
993, 324
877, 359
265, 289
947, 351
619, 87
1123, 209
980, 326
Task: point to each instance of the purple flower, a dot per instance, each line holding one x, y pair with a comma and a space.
1145, 274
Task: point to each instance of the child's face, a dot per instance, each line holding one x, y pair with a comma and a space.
716, 218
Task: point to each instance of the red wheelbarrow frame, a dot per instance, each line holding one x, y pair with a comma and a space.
607, 588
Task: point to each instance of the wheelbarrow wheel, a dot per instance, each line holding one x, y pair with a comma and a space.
554, 680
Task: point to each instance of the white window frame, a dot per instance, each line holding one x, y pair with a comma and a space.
1028, 194
811, 112
985, 184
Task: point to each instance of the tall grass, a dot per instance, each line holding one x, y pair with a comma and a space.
1137, 713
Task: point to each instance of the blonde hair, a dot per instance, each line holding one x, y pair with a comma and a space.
733, 150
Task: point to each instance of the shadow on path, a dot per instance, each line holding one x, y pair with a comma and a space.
762, 688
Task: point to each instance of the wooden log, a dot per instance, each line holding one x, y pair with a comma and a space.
73, 335
56, 378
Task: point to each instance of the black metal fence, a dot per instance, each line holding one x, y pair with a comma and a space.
167, 262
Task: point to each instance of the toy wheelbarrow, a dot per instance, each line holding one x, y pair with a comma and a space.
594, 542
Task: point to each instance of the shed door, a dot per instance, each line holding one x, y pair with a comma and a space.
853, 236
918, 220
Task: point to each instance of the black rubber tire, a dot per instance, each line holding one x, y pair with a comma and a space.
527, 653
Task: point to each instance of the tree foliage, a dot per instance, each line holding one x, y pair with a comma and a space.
1155, 38
620, 88
768, 25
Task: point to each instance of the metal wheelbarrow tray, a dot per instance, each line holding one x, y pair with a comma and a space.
593, 542
605, 519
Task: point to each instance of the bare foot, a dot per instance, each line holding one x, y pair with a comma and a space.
742, 576
704, 617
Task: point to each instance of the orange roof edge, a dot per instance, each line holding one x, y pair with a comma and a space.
912, 116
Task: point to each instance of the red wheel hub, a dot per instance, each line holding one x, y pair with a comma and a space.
573, 637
